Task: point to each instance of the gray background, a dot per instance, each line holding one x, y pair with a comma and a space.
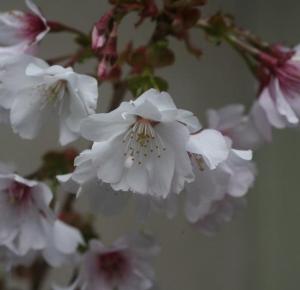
260, 249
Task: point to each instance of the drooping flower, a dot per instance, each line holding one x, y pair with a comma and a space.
280, 94
140, 146
21, 31
246, 131
232, 177
124, 265
36, 91
25, 213
28, 224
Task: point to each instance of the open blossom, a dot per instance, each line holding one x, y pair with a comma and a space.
28, 224
25, 213
21, 31
246, 131
33, 91
124, 265
232, 177
280, 96
140, 146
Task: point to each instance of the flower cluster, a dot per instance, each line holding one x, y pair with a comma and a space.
143, 149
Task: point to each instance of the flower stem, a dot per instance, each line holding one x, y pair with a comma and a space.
60, 27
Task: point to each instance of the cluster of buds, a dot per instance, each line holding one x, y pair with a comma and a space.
104, 45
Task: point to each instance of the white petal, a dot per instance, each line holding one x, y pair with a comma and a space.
266, 102
148, 111
101, 127
191, 121
244, 154
27, 115
66, 238
211, 145
283, 106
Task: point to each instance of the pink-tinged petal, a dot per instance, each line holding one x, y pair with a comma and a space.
225, 118
241, 171
262, 125
283, 106
211, 145
268, 105
34, 8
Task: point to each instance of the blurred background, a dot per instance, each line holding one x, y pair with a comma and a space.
260, 249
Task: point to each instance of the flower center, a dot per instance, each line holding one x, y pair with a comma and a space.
113, 265
141, 141
18, 193
53, 93
33, 27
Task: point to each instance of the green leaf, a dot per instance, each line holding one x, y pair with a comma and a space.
139, 84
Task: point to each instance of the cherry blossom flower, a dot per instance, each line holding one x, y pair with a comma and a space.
281, 86
246, 131
25, 213
38, 91
21, 31
140, 146
124, 265
28, 224
232, 177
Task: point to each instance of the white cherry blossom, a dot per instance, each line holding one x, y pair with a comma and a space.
37, 91
140, 146
124, 265
25, 215
233, 177
280, 94
27, 223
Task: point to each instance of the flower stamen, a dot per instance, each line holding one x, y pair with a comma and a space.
141, 141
